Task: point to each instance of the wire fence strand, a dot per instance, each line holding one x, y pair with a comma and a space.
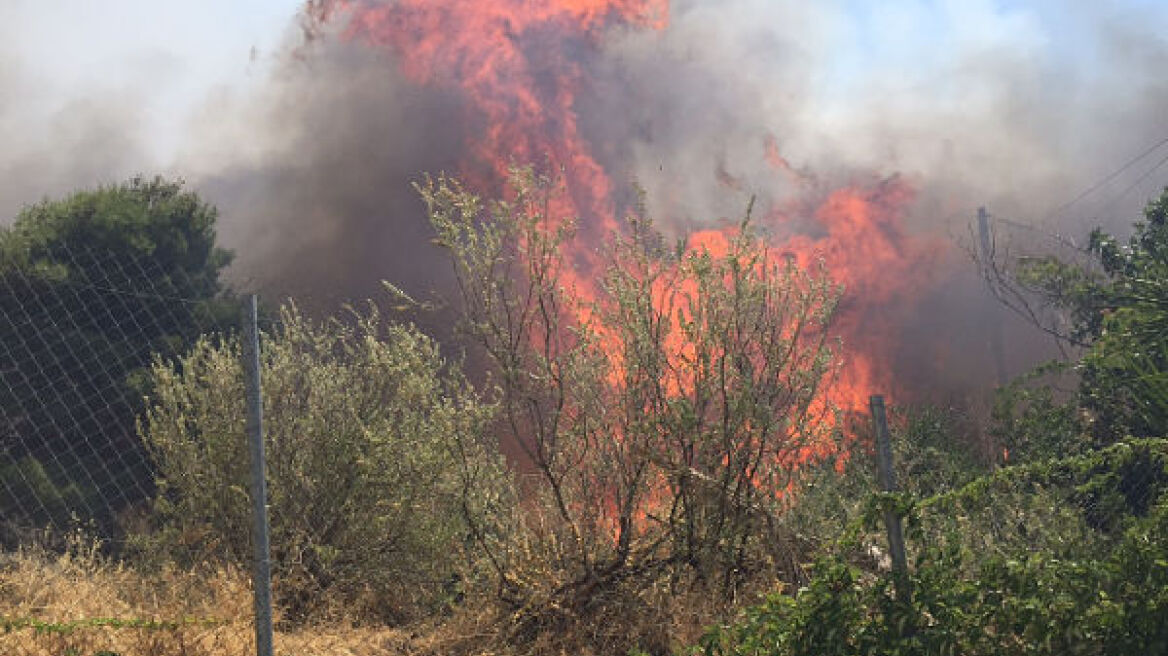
80, 330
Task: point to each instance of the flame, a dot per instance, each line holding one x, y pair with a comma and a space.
866, 248
517, 64
522, 102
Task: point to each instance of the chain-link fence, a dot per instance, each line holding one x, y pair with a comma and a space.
113, 366
80, 330
1067, 553
1049, 506
128, 427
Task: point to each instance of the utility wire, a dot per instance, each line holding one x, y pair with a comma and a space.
1066, 242
1112, 176
1140, 181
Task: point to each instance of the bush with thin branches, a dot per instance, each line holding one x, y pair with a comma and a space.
664, 404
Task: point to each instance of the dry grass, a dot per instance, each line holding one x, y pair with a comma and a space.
79, 605
652, 618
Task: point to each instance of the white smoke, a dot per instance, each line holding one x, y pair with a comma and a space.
1016, 107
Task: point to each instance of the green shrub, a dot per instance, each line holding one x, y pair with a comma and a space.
29, 491
1014, 564
663, 410
91, 286
1032, 420
380, 480
934, 451
1114, 306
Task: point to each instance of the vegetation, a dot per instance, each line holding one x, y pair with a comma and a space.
1116, 307
664, 411
1069, 557
680, 485
79, 602
933, 451
379, 474
91, 287
1067, 554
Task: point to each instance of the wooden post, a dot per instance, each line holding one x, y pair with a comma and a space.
888, 484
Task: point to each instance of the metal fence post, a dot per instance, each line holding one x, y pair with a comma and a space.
888, 484
262, 573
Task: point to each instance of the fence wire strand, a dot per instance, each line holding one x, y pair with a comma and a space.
80, 329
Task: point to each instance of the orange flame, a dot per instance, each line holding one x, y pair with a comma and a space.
517, 65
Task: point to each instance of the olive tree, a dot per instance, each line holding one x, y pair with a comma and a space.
381, 479
664, 409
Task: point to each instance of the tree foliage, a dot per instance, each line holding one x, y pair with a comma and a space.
1033, 419
932, 453
145, 222
382, 482
1117, 308
90, 287
1062, 557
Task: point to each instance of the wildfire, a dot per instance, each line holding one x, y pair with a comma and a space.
517, 64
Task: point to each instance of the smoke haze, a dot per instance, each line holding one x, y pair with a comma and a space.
50, 147
972, 103
322, 204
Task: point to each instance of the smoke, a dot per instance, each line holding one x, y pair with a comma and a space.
973, 103
318, 201
1014, 107
53, 144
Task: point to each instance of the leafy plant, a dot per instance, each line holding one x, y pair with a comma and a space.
1034, 420
91, 286
381, 478
933, 449
1116, 307
665, 401
992, 574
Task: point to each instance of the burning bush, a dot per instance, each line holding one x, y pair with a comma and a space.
376, 470
662, 398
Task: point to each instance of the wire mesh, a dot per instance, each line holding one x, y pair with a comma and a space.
125, 514
1076, 507
80, 329
78, 332
1072, 506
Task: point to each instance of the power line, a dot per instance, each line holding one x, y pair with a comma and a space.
1112, 176
1140, 181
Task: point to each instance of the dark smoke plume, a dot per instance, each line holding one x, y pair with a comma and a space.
324, 207
322, 203
995, 117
